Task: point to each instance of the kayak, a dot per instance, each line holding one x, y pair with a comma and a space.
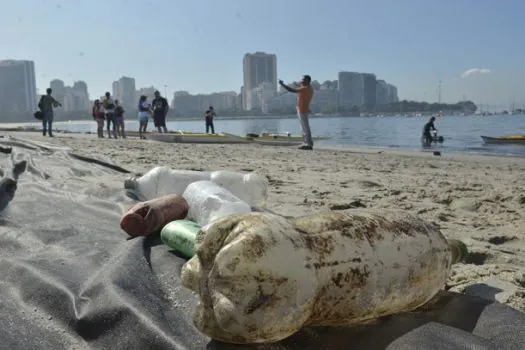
190, 137
509, 139
225, 138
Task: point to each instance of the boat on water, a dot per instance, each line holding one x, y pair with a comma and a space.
508, 139
189, 137
225, 138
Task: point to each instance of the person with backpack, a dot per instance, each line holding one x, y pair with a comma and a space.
46, 105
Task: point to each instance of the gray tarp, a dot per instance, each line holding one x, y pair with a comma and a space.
70, 279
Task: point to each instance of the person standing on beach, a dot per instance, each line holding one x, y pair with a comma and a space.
210, 113
119, 119
46, 105
109, 112
144, 113
98, 115
304, 96
160, 111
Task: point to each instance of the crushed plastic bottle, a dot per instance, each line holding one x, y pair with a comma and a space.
251, 188
209, 201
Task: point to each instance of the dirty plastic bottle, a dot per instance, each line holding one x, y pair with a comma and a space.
331, 268
180, 236
252, 188
208, 202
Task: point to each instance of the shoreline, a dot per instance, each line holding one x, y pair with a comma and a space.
399, 151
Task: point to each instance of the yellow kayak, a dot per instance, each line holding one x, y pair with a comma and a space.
513, 139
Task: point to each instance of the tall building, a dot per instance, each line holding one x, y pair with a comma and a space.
126, 93
76, 97
189, 105
59, 89
351, 89
17, 87
147, 91
369, 90
80, 87
115, 90
260, 95
392, 94
381, 93
258, 68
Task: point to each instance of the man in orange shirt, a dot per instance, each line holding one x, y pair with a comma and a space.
304, 96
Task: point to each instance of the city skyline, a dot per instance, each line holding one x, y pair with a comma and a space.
469, 46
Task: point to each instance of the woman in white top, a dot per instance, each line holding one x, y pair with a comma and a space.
144, 114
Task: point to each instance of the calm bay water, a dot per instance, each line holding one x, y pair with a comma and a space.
461, 133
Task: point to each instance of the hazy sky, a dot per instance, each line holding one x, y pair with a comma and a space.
198, 45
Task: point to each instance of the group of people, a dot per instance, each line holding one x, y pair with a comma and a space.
111, 111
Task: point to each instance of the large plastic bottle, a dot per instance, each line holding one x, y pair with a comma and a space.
208, 202
163, 180
180, 236
252, 188
330, 268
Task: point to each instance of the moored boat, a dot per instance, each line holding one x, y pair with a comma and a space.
508, 139
225, 138
188, 137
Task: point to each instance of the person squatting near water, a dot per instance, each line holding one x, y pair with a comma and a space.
427, 136
144, 114
46, 105
160, 110
305, 92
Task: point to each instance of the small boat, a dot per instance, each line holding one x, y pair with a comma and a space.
279, 139
509, 139
189, 137
225, 138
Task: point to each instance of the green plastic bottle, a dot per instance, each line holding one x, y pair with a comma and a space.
180, 235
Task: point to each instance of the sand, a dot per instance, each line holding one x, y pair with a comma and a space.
480, 200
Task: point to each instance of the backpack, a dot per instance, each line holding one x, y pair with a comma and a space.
39, 115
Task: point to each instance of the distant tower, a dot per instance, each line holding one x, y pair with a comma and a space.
439, 92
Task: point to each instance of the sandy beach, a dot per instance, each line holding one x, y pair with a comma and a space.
480, 200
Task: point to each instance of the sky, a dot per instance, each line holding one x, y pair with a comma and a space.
475, 47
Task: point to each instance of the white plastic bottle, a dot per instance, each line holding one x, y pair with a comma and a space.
163, 180
251, 188
208, 202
